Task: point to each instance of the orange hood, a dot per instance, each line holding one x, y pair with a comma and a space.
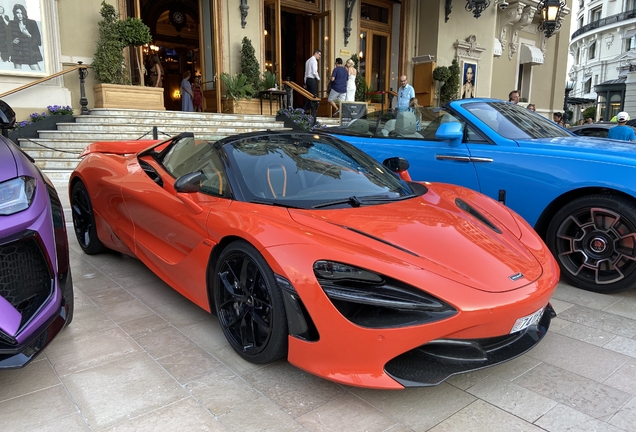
433, 233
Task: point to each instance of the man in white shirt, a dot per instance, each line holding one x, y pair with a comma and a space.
311, 76
405, 94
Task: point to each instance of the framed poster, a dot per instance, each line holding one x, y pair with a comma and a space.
21, 50
469, 80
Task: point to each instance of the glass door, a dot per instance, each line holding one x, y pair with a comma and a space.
374, 59
320, 39
272, 41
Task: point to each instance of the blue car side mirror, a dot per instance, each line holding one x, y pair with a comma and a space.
451, 131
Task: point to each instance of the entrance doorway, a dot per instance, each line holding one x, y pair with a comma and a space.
292, 34
174, 26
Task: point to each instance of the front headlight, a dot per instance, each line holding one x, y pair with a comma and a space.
16, 195
372, 300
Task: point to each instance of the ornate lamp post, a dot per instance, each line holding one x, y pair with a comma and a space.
550, 11
569, 86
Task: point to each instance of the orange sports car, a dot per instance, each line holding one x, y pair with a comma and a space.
308, 249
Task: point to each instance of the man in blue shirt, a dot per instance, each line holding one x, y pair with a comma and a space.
405, 94
622, 131
338, 86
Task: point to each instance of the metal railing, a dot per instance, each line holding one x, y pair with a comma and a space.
290, 86
612, 19
83, 73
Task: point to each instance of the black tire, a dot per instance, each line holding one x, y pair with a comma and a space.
249, 304
84, 220
593, 239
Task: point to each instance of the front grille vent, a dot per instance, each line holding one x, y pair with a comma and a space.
25, 277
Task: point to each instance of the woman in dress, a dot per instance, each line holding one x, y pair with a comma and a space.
197, 100
351, 81
25, 39
156, 72
186, 93
468, 89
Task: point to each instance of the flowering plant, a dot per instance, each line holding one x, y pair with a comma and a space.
52, 111
300, 119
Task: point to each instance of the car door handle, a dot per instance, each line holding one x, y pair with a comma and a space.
462, 158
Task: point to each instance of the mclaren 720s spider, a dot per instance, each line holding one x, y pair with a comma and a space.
308, 249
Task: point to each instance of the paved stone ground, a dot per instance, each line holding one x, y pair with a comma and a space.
139, 357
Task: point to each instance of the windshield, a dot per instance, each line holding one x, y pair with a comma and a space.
514, 122
310, 171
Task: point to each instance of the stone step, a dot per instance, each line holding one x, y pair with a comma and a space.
57, 164
116, 135
171, 128
177, 114
58, 177
77, 145
133, 123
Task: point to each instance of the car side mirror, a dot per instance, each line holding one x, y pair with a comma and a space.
396, 164
7, 116
188, 183
451, 131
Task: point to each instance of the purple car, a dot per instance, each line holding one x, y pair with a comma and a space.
36, 289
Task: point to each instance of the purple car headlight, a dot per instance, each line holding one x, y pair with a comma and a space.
16, 195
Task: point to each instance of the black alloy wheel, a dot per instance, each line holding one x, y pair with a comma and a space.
249, 304
84, 220
594, 240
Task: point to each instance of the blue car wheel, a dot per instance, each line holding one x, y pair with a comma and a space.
594, 241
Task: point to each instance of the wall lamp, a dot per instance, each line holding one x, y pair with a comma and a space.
551, 18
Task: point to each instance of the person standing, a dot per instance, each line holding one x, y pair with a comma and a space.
351, 81
186, 93
156, 72
532, 107
405, 94
25, 39
513, 97
622, 131
197, 91
338, 86
312, 77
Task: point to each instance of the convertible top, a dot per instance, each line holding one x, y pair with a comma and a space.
118, 147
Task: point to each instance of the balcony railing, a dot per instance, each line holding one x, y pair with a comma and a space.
612, 19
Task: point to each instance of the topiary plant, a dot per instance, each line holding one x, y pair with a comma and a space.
441, 73
115, 35
249, 65
450, 77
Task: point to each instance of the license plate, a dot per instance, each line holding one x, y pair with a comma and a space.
527, 321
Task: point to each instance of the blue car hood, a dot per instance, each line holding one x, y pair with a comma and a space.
583, 146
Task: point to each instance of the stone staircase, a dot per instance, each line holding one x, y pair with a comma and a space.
56, 151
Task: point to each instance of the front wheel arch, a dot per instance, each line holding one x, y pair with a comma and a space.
543, 222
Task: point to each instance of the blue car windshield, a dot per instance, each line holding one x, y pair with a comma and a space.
514, 122
308, 170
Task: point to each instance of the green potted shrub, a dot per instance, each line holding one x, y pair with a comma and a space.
236, 88
249, 65
109, 65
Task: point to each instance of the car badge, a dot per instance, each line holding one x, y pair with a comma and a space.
516, 276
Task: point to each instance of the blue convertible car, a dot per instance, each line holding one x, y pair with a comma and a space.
578, 193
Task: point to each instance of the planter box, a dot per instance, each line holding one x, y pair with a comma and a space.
128, 96
249, 106
47, 123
